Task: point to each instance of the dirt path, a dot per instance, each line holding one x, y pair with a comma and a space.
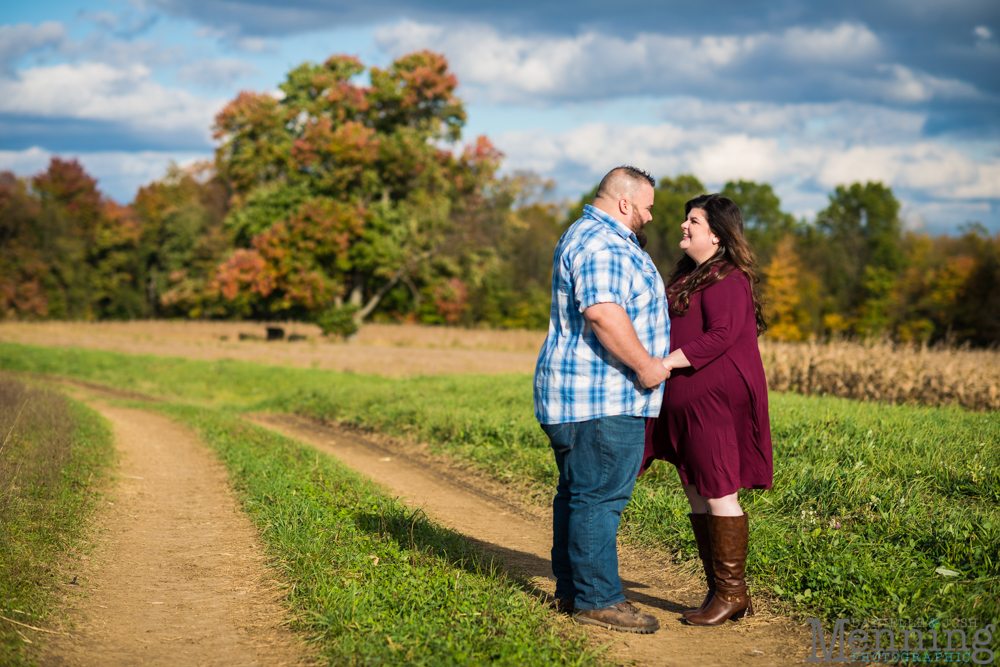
177, 577
523, 536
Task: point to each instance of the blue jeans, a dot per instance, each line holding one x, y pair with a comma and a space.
598, 462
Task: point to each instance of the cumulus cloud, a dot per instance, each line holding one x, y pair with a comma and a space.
842, 61
18, 40
100, 92
215, 72
803, 163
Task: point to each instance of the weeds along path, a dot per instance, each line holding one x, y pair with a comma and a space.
523, 537
178, 574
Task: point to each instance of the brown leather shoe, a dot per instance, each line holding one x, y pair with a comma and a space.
699, 525
623, 617
730, 536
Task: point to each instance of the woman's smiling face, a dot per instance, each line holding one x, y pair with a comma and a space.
698, 241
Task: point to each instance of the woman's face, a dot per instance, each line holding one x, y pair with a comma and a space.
698, 240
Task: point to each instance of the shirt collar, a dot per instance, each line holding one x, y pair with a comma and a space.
620, 229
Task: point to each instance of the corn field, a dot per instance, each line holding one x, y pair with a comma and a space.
885, 372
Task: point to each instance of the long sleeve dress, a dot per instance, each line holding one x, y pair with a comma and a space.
714, 422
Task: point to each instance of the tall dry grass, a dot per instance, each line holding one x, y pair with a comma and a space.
885, 372
35, 440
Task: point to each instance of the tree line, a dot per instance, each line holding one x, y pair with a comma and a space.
346, 198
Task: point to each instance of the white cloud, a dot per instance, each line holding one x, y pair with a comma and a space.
17, 40
97, 91
843, 43
906, 86
849, 122
215, 71
839, 61
801, 163
255, 45
26, 162
982, 32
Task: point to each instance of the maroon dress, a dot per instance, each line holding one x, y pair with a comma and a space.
714, 424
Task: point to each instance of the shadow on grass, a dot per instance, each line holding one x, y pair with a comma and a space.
422, 538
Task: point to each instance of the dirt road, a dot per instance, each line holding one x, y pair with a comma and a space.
480, 511
178, 575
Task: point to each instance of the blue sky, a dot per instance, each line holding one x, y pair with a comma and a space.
803, 95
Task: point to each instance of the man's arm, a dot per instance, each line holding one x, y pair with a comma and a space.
615, 331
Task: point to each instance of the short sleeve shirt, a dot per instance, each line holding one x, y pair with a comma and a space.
598, 260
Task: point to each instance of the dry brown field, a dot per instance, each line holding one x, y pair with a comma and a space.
886, 372
393, 350
876, 372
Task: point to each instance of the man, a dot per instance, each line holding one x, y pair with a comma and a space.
598, 376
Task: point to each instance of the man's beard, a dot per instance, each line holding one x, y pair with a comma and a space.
639, 229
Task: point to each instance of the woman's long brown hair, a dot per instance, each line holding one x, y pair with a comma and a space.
726, 222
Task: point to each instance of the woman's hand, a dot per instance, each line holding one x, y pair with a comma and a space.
675, 359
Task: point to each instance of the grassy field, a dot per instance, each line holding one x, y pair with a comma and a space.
54, 453
877, 371
877, 510
371, 582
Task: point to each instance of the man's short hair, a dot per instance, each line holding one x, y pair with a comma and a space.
622, 181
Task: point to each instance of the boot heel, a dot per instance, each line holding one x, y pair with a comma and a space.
743, 613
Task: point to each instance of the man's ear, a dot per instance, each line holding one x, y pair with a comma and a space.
623, 206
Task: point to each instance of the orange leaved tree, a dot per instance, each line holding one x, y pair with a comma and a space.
344, 189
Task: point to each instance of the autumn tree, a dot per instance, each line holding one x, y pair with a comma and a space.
183, 239
949, 288
784, 281
24, 276
343, 191
67, 251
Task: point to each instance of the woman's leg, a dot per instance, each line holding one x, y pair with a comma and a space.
723, 556
699, 526
699, 504
724, 506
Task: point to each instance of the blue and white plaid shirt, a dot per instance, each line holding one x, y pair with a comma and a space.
598, 260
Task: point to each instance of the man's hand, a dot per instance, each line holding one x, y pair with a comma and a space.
614, 329
653, 374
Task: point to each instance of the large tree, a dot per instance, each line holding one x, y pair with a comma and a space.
764, 221
67, 251
343, 190
183, 239
857, 251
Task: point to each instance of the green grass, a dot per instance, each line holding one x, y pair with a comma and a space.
371, 582
873, 508
56, 453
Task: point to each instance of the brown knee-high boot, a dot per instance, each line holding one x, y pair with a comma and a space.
699, 524
729, 536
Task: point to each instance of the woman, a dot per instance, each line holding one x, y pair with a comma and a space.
714, 424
